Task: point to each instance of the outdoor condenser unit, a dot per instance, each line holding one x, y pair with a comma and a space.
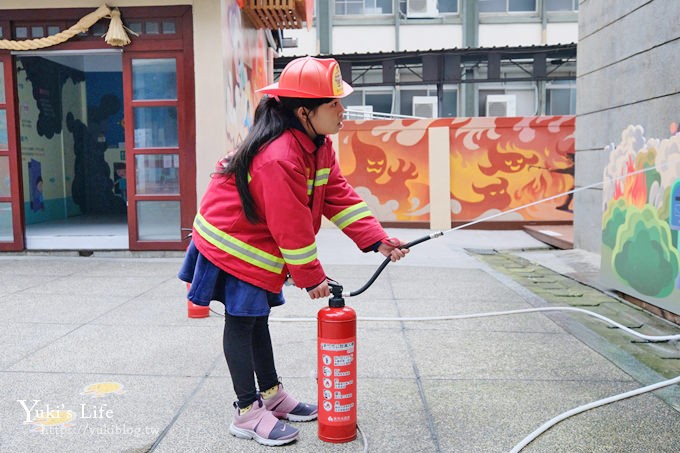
425, 106
421, 8
501, 105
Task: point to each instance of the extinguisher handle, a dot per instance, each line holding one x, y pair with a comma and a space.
387, 261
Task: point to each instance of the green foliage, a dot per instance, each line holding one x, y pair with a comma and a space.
612, 219
665, 210
644, 256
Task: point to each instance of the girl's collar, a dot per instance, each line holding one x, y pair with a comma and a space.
318, 140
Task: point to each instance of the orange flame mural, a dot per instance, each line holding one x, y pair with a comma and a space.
496, 164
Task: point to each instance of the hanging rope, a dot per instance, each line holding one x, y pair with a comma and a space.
115, 36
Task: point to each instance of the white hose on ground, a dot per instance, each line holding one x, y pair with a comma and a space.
555, 420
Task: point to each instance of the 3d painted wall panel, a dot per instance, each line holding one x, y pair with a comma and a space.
641, 218
497, 164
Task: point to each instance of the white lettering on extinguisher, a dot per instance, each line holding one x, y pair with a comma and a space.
342, 396
342, 360
341, 373
343, 384
343, 408
349, 346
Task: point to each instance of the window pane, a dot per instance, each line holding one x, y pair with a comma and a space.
3, 129
2, 83
482, 100
406, 100
21, 32
491, 6
382, 6
448, 6
4, 176
560, 102
157, 174
169, 27
356, 98
521, 5
346, 7
449, 107
152, 28
560, 5
158, 221
155, 127
6, 232
154, 79
136, 27
381, 102
525, 102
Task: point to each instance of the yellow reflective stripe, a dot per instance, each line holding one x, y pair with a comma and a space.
249, 178
320, 179
351, 215
237, 248
300, 256
322, 176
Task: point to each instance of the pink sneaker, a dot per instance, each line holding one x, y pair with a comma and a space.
283, 405
261, 425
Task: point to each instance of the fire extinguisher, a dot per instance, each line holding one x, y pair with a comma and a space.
337, 369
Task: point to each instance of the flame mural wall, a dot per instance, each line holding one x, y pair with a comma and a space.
641, 218
496, 164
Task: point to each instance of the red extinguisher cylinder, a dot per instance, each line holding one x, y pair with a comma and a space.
337, 371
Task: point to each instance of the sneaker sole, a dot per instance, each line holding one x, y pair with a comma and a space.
298, 418
248, 434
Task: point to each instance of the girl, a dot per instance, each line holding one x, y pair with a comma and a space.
256, 226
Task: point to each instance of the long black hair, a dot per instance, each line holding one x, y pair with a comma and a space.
272, 117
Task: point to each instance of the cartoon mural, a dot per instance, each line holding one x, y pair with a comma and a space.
641, 218
497, 164
245, 58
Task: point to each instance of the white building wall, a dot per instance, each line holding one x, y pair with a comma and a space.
426, 37
502, 35
307, 42
561, 33
363, 39
627, 75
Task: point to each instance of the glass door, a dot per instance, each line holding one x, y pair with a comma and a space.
157, 146
11, 232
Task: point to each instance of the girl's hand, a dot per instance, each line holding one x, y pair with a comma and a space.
390, 248
320, 291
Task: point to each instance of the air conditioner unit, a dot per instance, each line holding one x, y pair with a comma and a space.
501, 105
359, 112
425, 106
421, 8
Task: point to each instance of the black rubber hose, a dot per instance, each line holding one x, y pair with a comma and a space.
384, 264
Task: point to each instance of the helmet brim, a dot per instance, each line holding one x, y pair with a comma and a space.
275, 90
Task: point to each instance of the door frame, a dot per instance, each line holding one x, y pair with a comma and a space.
187, 212
16, 198
180, 42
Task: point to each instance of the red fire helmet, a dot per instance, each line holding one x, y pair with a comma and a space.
310, 77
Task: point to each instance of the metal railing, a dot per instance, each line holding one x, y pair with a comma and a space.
355, 114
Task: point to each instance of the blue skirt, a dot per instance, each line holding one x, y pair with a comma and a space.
209, 282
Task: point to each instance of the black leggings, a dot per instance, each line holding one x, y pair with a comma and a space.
248, 350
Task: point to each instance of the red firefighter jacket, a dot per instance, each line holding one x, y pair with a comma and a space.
293, 185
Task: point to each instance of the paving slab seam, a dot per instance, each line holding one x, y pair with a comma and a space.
620, 357
39, 348
419, 381
199, 385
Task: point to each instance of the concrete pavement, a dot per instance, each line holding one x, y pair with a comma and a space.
98, 354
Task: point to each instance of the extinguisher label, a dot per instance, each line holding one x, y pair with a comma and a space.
338, 368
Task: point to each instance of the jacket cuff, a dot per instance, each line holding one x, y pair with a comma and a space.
372, 248
309, 288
